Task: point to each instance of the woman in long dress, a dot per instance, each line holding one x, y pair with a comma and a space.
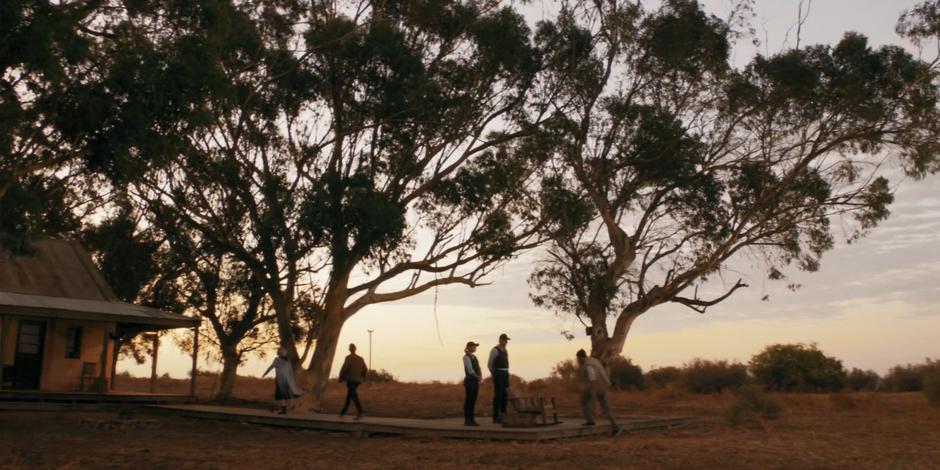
285, 388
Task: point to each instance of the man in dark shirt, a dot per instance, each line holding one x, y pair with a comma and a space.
498, 364
471, 383
353, 372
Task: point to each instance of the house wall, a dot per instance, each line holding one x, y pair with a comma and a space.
59, 373
63, 374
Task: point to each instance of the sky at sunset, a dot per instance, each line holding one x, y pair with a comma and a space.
873, 304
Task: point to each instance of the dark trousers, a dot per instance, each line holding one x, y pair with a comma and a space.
353, 396
500, 384
472, 388
588, 393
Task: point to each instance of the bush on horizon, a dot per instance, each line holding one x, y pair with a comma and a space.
625, 375
931, 382
662, 377
704, 376
905, 378
380, 375
566, 371
797, 368
858, 380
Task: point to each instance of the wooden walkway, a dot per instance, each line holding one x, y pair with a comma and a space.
10, 396
438, 428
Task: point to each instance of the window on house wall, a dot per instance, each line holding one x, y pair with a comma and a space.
73, 343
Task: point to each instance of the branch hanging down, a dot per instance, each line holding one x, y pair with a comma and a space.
700, 305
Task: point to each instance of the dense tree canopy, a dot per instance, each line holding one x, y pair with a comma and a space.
44, 55
343, 154
674, 162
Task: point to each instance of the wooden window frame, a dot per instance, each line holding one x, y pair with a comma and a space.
73, 344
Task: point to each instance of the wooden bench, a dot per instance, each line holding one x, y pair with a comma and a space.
529, 412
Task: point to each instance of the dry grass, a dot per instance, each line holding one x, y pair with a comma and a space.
878, 430
438, 400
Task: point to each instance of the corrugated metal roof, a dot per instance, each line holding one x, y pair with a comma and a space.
60, 280
58, 268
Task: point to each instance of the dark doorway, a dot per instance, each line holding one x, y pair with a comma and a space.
28, 359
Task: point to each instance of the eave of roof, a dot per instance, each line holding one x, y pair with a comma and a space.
83, 309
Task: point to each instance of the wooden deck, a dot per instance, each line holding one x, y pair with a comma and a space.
24, 396
438, 428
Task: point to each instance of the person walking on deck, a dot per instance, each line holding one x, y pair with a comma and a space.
594, 384
471, 383
353, 372
498, 364
285, 388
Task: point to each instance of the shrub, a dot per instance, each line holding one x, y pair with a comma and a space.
797, 368
862, 380
909, 378
566, 370
932, 382
662, 377
622, 372
625, 375
701, 376
751, 403
380, 375
542, 384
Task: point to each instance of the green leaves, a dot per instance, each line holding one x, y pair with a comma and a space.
126, 257
921, 22
797, 368
502, 43
352, 217
657, 147
565, 211
683, 39
31, 208
43, 58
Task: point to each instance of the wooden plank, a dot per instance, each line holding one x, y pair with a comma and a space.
439, 428
90, 397
65, 406
3, 333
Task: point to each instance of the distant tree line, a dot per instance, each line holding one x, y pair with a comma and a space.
797, 368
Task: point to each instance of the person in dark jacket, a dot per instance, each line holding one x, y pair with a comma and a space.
498, 364
353, 372
471, 383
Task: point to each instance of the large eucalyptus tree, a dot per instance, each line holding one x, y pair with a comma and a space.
346, 154
674, 163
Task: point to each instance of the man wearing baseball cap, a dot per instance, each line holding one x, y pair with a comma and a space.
498, 364
471, 383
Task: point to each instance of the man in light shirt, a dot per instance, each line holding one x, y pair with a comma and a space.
595, 384
471, 383
498, 364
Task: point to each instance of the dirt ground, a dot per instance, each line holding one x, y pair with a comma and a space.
819, 431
